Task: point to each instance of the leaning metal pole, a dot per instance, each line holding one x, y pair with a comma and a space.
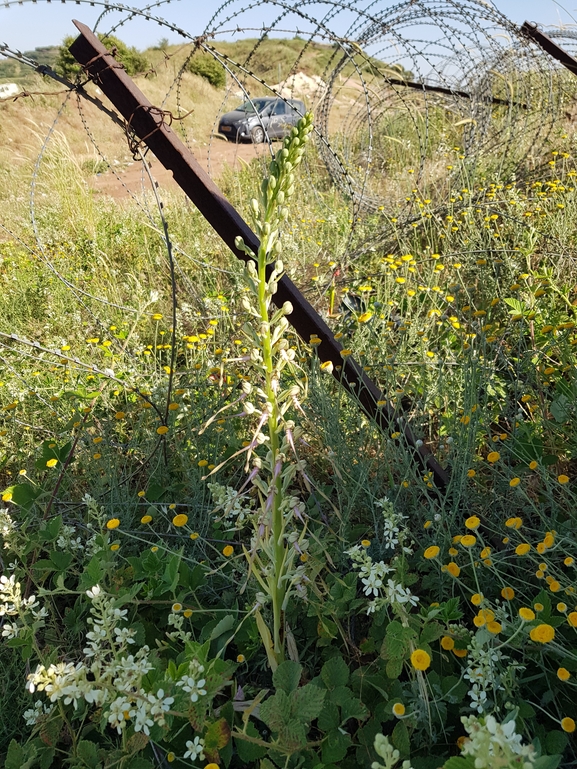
147, 123
530, 29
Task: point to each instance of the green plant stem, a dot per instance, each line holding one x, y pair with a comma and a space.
277, 528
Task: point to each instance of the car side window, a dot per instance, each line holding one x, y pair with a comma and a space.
280, 108
297, 108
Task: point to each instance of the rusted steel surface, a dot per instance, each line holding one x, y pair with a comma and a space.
148, 124
530, 29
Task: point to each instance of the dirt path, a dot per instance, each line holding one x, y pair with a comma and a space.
213, 158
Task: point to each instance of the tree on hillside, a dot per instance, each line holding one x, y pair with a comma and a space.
134, 62
206, 66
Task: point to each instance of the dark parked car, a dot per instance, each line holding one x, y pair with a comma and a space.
261, 118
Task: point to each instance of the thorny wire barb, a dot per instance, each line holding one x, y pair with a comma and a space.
135, 145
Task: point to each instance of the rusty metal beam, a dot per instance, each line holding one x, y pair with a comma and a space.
147, 123
530, 30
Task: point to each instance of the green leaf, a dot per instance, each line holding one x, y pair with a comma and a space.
335, 747
307, 702
431, 632
353, 708
170, 576
52, 529
335, 672
140, 763
61, 560
547, 762
400, 739
87, 752
24, 495
397, 642
224, 626
45, 757
217, 735
556, 741
394, 668
293, 736
274, 711
458, 762
19, 757
561, 408
154, 491
287, 676
329, 717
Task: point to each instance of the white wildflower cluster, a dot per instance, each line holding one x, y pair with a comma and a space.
176, 621
7, 527
395, 532
390, 755
68, 539
33, 715
483, 672
109, 677
373, 576
192, 681
195, 749
234, 506
496, 746
23, 610
94, 511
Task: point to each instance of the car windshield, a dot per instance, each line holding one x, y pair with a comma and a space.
257, 105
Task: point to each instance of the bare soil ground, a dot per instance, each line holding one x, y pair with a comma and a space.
214, 157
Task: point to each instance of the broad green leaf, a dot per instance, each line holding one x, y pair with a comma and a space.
287, 676
224, 626
19, 757
293, 736
458, 762
275, 711
547, 762
556, 741
61, 560
140, 763
335, 747
24, 495
335, 672
170, 576
217, 735
329, 717
307, 702
87, 752
353, 708
401, 740
394, 668
52, 529
431, 632
397, 642
45, 757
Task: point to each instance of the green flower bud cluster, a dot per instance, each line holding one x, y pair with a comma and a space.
270, 210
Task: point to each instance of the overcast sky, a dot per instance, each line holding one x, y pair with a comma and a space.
26, 26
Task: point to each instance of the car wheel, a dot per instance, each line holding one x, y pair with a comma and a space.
257, 134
